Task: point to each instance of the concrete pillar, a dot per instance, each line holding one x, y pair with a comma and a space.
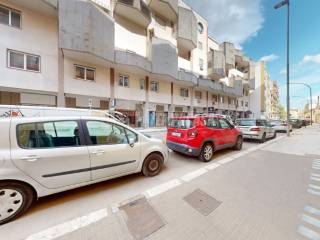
207, 102
112, 88
60, 96
190, 110
171, 106
146, 104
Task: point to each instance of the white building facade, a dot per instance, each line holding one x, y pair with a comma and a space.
148, 59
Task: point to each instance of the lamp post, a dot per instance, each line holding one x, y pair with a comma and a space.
279, 5
310, 92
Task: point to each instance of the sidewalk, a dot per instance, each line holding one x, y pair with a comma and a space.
258, 194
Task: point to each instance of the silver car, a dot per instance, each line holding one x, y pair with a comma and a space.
46, 155
258, 129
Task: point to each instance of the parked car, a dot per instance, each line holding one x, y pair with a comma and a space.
201, 136
46, 155
296, 123
280, 126
258, 129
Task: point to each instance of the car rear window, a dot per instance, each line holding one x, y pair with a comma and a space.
246, 122
181, 123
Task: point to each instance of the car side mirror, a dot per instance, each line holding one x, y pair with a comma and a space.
132, 142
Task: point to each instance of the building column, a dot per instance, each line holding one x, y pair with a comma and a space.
190, 110
60, 96
171, 106
112, 89
146, 104
207, 102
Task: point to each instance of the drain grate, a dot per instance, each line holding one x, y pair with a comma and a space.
141, 218
202, 202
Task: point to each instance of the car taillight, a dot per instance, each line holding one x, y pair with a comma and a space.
193, 133
255, 129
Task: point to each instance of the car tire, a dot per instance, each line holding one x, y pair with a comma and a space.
263, 139
206, 153
19, 198
239, 143
274, 135
152, 165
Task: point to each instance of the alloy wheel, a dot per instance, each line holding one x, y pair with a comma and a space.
207, 152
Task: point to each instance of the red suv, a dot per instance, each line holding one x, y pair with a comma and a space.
201, 136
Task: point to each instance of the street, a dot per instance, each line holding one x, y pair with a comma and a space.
262, 192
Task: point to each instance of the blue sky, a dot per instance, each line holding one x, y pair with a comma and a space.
260, 31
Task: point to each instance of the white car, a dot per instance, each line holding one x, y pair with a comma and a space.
280, 126
46, 155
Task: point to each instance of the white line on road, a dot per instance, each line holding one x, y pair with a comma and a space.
316, 168
315, 179
311, 220
70, 226
314, 186
315, 175
226, 160
190, 176
313, 192
212, 166
312, 210
308, 233
162, 188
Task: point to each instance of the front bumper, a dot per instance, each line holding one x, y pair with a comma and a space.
183, 148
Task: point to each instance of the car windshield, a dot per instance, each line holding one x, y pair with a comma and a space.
246, 122
181, 123
276, 123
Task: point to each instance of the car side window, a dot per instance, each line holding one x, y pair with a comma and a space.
211, 123
132, 135
49, 134
103, 133
259, 123
224, 124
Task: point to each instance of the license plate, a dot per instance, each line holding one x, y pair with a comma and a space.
176, 134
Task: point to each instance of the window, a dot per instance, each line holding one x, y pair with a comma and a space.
123, 81
10, 17
48, 134
132, 136
200, 28
85, 73
224, 123
221, 99
23, 61
201, 63
214, 98
246, 104
181, 123
241, 103
184, 92
200, 46
198, 94
211, 123
142, 84
103, 133
154, 86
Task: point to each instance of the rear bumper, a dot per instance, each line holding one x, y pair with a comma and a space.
183, 148
251, 136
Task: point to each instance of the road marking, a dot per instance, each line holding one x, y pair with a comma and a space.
190, 176
308, 233
162, 188
315, 167
226, 160
239, 154
212, 166
313, 192
315, 179
314, 186
311, 220
312, 210
315, 175
70, 226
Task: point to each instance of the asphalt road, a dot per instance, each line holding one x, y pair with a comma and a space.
53, 210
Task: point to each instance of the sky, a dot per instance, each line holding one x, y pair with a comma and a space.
260, 31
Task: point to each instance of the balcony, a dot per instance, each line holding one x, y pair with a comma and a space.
188, 78
47, 7
165, 8
135, 11
229, 53
129, 58
164, 58
209, 85
85, 29
187, 31
216, 65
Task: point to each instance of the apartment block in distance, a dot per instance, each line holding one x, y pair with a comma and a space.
148, 59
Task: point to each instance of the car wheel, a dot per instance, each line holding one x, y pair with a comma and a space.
263, 139
206, 152
152, 165
274, 135
239, 143
15, 199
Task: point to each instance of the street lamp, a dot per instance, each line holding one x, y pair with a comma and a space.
310, 91
279, 5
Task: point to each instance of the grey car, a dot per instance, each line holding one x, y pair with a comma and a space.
258, 129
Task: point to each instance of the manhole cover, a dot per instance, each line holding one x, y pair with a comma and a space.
202, 202
141, 218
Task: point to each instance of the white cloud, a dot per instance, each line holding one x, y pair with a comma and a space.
311, 59
234, 21
269, 58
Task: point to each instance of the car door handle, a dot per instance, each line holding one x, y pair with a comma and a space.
31, 158
98, 152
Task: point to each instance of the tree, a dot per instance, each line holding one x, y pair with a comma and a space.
282, 112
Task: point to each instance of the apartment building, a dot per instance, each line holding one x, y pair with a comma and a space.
274, 112
148, 59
